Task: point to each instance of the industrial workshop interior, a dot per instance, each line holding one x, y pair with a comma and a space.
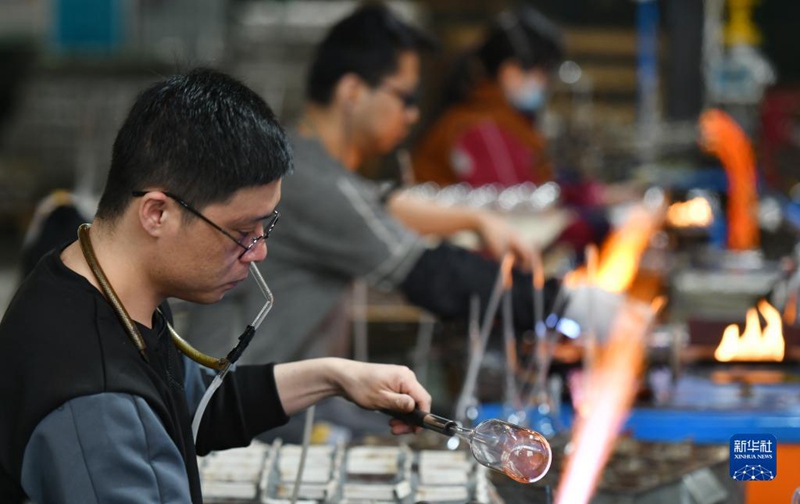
577, 223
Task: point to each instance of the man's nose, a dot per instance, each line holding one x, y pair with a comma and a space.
256, 254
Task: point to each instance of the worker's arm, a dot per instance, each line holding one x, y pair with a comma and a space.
430, 218
371, 386
444, 279
108, 447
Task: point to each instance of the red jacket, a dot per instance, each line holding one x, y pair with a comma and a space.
481, 141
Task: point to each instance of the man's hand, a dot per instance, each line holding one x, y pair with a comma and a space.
430, 218
499, 238
384, 386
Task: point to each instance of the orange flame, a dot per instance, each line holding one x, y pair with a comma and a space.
619, 257
537, 267
611, 388
790, 310
572, 278
657, 304
722, 137
592, 263
754, 344
505, 268
693, 213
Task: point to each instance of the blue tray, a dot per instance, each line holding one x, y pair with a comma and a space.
708, 413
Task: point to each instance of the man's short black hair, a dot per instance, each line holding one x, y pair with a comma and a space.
202, 135
524, 34
366, 43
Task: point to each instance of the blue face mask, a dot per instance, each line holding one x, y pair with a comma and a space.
530, 97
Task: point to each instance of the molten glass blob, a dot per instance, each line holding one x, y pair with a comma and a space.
521, 454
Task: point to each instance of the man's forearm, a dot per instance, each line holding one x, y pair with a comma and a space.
303, 383
369, 385
427, 217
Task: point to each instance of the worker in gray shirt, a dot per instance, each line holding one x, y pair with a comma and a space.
338, 226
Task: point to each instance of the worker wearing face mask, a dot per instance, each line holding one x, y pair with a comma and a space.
488, 133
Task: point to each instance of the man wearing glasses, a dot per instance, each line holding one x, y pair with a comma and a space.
96, 399
361, 96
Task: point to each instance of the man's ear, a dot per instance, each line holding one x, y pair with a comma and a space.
153, 213
348, 89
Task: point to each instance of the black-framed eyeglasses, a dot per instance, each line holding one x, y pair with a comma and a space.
246, 243
410, 99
